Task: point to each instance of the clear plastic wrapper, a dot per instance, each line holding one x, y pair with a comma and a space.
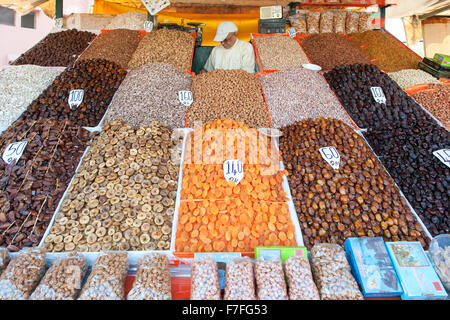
332, 273
440, 255
152, 279
107, 278
270, 283
351, 22
63, 279
239, 280
364, 22
326, 21
204, 279
300, 280
22, 274
299, 22
339, 18
4, 259
312, 22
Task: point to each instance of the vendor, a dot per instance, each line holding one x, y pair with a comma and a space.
231, 53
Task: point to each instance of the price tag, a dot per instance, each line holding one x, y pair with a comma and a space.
185, 97
443, 155
59, 23
14, 151
378, 94
330, 155
148, 26
76, 97
154, 6
233, 170
292, 32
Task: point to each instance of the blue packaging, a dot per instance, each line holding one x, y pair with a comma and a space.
372, 267
415, 272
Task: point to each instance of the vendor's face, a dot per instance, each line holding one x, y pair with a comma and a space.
229, 40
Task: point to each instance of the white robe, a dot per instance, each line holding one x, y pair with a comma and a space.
239, 56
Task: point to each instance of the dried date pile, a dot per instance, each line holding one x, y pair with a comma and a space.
123, 195
352, 85
98, 78
356, 200
31, 188
58, 49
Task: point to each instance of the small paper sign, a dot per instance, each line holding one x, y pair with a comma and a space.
14, 151
443, 155
233, 170
148, 26
76, 97
378, 94
154, 6
292, 33
330, 155
185, 97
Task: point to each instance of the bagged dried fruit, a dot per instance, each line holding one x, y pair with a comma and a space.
239, 280
300, 280
204, 279
270, 283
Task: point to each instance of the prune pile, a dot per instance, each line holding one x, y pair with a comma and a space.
352, 84
407, 153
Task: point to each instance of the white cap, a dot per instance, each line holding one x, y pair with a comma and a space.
224, 29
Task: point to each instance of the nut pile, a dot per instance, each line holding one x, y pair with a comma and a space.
98, 78
280, 52
358, 199
300, 280
204, 279
4, 259
411, 77
436, 101
123, 195
270, 283
159, 46
19, 86
407, 153
62, 281
232, 94
239, 280
297, 94
59, 49
133, 20
152, 279
31, 188
390, 55
141, 100
333, 274
107, 278
352, 84
329, 50
116, 45
22, 275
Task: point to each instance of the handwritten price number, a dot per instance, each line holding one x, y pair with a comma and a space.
443, 155
14, 151
76, 97
292, 32
378, 94
185, 97
148, 26
233, 170
331, 155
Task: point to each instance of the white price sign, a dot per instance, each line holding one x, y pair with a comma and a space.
292, 32
185, 97
233, 170
154, 6
443, 155
148, 26
14, 151
378, 94
76, 97
331, 155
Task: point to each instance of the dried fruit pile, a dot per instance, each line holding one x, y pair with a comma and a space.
437, 101
216, 215
123, 195
356, 200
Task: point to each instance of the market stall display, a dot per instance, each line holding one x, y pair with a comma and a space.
99, 80
204, 279
19, 86
140, 100
296, 94
59, 49
356, 198
436, 99
32, 185
411, 77
239, 280
300, 279
123, 195
232, 94
116, 46
132, 20
269, 276
158, 46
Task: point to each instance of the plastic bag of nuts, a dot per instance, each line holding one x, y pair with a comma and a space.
239, 280
107, 278
326, 21
62, 281
312, 22
4, 259
364, 22
299, 22
22, 274
270, 283
152, 279
332, 273
351, 22
339, 21
300, 280
204, 279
